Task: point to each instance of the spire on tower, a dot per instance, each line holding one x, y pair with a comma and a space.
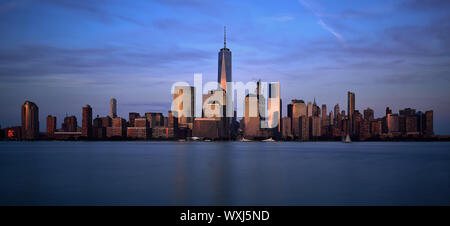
224, 37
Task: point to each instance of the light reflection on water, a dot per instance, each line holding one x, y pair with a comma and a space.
224, 173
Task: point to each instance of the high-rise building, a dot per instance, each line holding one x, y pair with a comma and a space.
131, 117
331, 117
98, 129
252, 117
113, 108
274, 107
118, 128
428, 125
368, 114
286, 132
51, 125
184, 104
336, 112
224, 72
86, 123
411, 125
407, 111
388, 111
154, 119
350, 111
376, 128
325, 119
309, 109
314, 127
30, 120
393, 124
315, 109
140, 129
70, 124
298, 109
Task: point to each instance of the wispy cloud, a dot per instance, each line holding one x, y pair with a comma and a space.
326, 27
285, 18
317, 11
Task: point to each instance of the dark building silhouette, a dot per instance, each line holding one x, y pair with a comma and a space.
113, 108
388, 111
131, 117
154, 119
51, 125
86, 124
140, 130
70, 124
118, 128
350, 111
428, 125
98, 129
106, 121
368, 114
30, 120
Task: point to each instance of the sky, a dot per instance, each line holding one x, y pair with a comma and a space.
64, 54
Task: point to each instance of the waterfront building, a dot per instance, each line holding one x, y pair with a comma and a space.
70, 124
368, 114
86, 123
118, 128
113, 108
51, 125
140, 130
350, 111
30, 121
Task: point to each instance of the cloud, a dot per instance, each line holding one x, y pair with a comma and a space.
46, 60
316, 10
94, 8
329, 29
421, 5
285, 18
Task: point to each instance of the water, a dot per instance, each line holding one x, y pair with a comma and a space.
224, 173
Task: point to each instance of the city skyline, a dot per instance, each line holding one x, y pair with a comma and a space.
60, 70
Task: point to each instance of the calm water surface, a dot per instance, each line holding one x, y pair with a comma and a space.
224, 173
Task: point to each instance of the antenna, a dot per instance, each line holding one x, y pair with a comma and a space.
224, 37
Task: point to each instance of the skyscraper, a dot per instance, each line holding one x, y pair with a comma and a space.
86, 123
368, 114
336, 114
274, 105
224, 78
325, 119
70, 124
298, 109
184, 104
428, 127
113, 108
309, 109
30, 120
51, 125
224, 72
350, 111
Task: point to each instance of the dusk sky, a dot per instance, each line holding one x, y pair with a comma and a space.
63, 55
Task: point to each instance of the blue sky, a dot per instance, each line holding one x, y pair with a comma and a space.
65, 54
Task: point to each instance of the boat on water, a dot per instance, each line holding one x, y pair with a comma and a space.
347, 139
245, 140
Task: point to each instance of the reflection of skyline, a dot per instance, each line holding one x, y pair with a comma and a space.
221, 178
400, 48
